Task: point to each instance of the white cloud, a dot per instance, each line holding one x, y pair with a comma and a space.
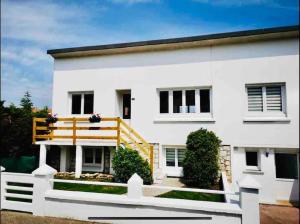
238, 3
133, 1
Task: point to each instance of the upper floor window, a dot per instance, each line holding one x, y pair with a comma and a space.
266, 98
82, 102
187, 101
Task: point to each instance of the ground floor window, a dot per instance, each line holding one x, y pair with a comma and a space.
92, 155
174, 157
286, 165
252, 159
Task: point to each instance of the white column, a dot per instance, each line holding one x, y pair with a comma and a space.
249, 200
63, 159
78, 161
43, 154
42, 183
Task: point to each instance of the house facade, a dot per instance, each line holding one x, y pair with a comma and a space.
244, 86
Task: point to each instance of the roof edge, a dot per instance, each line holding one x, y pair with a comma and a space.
210, 39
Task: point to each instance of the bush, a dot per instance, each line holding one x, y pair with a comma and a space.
201, 162
126, 162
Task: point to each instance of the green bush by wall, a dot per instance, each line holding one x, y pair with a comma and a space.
126, 162
201, 162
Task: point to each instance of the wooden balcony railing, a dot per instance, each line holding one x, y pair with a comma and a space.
123, 133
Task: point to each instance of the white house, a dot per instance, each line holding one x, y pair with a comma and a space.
244, 86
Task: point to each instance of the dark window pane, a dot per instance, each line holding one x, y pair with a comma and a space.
88, 155
251, 159
98, 155
76, 103
181, 155
88, 103
164, 102
170, 157
190, 101
286, 166
204, 101
177, 101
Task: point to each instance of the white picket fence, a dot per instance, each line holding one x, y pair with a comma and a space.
34, 193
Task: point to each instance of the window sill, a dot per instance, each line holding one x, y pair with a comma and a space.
286, 180
183, 119
258, 172
92, 164
266, 119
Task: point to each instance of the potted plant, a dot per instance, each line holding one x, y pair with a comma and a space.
51, 119
95, 118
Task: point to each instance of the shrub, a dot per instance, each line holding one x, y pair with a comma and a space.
126, 162
201, 162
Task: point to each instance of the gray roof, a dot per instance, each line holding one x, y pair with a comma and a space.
209, 37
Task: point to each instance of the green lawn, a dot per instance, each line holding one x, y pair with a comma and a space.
90, 188
193, 196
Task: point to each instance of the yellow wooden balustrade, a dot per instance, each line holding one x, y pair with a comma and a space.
124, 133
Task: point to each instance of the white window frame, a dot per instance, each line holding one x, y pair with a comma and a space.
176, 155
197, 102
266, 113
255, 168
94, 156
82, 93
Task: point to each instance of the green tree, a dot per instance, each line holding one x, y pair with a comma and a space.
16, 128
26, 102
201, 162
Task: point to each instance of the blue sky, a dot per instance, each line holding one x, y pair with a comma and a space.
30, 27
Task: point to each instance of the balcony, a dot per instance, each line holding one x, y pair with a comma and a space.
73, 131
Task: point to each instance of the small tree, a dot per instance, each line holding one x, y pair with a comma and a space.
126, 162
200, 165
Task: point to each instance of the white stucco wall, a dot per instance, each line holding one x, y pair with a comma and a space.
225, 68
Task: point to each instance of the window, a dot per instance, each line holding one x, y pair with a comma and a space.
174, 157
164, 102
88, 103
177, 102
252, 160
92, 155
204, 101
185, 101
76, 103
170, 157
190, 101
286, 165
268, 98
82, 103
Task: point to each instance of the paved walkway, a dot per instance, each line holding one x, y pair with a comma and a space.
172, 182
274, 214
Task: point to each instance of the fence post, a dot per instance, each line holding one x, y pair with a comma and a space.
2, 186
135, 187
249, 200
41, 184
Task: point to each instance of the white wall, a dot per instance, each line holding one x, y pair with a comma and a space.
226, 68
272, 188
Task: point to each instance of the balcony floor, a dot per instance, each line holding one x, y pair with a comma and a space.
84, 142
